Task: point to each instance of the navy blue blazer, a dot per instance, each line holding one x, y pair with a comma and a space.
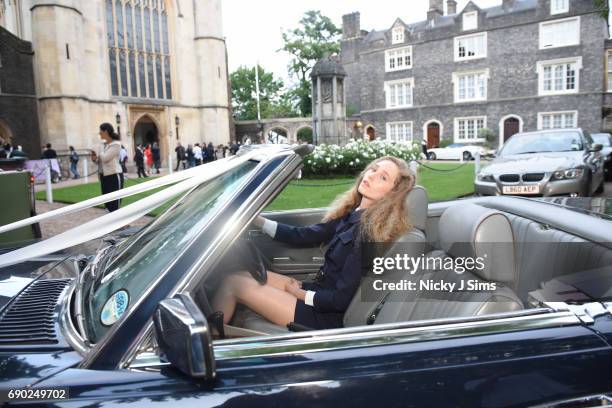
341, 272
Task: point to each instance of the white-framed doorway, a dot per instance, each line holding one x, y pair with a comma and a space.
511, 124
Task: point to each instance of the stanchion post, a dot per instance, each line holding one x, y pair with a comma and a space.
48, 184
414, 167
169, 163
477, 162
85, 170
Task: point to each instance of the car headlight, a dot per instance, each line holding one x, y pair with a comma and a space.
486, 177
567, 174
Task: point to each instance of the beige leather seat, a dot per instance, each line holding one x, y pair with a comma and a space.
465, 230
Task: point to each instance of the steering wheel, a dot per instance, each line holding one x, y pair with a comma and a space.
255, 262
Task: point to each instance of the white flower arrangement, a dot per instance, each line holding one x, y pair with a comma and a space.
355, 155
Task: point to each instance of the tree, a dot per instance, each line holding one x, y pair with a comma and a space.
273, 100
316, 37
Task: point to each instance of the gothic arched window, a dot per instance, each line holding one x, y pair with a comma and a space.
138, 48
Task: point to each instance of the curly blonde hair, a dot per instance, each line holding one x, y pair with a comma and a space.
386, 219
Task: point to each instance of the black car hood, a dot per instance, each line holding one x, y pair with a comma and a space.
20, 370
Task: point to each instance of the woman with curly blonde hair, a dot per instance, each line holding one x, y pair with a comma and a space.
372, 210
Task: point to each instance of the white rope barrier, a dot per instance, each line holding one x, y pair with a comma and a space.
117, 219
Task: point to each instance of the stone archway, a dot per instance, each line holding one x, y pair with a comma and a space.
509, 125
277, 135
6, 136
146, 131
370, 132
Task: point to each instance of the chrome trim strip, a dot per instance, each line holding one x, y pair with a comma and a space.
67, 328
383, 335
262, 197
136, 342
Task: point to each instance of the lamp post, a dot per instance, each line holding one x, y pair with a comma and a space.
177, 122
118, 121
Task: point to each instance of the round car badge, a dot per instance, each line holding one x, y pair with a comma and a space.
114, 307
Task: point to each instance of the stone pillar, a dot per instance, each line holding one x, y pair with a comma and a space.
212, 77
351, 26
329, 115
436, 9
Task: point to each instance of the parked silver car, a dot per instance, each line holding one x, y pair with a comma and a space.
545, 163
605, 139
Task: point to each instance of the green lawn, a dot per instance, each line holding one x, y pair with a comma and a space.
308, 193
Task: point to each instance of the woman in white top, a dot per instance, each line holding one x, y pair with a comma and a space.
109, 165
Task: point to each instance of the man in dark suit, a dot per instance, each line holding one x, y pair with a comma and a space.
139, 160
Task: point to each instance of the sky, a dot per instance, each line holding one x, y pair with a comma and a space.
253, 28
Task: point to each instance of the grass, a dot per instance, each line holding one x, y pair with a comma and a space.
307, 193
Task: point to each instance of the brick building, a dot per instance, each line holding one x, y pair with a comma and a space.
519, 66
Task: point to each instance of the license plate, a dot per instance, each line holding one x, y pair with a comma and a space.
521, 189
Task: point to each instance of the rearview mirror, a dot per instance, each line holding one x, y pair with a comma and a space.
183, 335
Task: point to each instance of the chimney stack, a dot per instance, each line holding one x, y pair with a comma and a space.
351, 26
436, 8
507, 3
451, 7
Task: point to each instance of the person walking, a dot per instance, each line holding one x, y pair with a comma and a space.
123, 158
156, 157
74, 159
148, 158
424, 147
49, 153
139, 159
211, 152
197, 154
190, 156
219, 152
108, 164
180, 156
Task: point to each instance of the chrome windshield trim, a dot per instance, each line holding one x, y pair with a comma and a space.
90, 358
389, 334
262, 197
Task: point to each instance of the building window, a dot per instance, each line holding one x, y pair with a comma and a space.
560, 33
470, 86
557, 120
609, 69
559, 6
398, 59
467, 129
399, 93
470, 47
559, 76
400, 132
138, 48
470, 20
397, 35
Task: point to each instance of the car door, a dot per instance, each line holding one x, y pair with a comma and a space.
299, 262
524, 358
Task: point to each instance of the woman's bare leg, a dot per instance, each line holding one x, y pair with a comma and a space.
277, 280
269, 301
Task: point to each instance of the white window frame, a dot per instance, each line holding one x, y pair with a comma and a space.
394, 51
388, 95
556, 62
406, 139
474, 26
542, 114
608, 70
469, 118
472, 57
456, 80
548, 23
397, 35
554, 10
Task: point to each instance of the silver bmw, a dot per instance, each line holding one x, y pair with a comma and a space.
545, 163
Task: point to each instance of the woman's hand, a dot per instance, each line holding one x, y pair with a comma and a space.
294, 287
259, 222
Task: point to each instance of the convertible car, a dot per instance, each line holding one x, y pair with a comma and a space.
132, 322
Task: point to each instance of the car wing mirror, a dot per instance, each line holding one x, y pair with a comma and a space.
597, 147
184, 337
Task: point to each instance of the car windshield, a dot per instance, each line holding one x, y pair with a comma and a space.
561, 141
143, 257
602, 139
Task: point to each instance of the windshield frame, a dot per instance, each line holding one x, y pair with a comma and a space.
103, 353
